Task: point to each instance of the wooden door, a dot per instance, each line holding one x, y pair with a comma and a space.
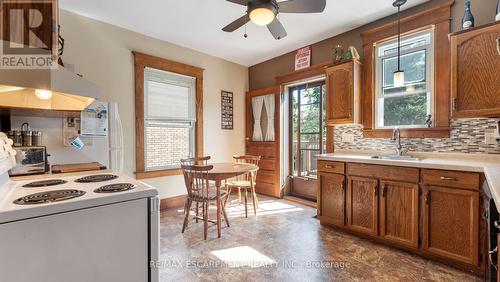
362, 204
332, 198
450, 223
399, 213
268, 176
475, 79
340, 93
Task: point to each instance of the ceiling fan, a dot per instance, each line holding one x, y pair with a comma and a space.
265, 12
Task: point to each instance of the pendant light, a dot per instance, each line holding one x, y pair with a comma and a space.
399, 75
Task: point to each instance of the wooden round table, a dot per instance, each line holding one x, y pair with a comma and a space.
223, 171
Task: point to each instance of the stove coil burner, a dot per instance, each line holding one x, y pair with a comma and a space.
96, 178
116, 187
49, 197
45, 183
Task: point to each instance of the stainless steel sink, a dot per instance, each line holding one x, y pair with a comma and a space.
396, 158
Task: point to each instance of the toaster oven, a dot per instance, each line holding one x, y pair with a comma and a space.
30, 160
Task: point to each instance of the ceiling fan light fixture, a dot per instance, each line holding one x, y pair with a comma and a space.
262, 16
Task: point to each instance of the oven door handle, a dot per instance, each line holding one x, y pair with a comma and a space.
490, 254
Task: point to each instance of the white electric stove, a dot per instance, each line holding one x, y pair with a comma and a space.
84, 227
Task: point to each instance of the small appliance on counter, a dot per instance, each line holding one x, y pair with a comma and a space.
30, 160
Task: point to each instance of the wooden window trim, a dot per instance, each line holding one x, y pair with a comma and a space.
141, 61
439, 17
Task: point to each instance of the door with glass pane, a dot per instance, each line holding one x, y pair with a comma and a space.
263, 138
307, 136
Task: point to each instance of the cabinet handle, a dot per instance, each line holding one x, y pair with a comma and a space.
384, 190
329, 166
427, 197
342, 186
375, 190
448, 178
498, 45
350, 113
454, 104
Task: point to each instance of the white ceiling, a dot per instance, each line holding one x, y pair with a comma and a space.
197, 24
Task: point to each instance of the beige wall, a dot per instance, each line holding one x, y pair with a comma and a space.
263, 74
102, 53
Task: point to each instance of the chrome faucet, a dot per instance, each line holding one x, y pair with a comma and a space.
396, 136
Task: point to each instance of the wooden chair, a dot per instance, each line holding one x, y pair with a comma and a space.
201, 192
194, 161
245, 182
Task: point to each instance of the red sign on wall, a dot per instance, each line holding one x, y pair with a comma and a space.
303, 58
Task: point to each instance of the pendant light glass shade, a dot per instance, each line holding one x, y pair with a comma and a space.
399, 78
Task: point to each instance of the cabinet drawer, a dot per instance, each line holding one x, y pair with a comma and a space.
447, 178
333, 167
404, 174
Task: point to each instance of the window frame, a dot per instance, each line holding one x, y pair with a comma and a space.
429, 75
141, 62
438, 16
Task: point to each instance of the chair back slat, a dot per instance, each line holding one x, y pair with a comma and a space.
197, 180
247, 159
190, 162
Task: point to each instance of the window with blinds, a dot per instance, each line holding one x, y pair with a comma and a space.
169, 118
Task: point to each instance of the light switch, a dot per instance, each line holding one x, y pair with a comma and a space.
490, 137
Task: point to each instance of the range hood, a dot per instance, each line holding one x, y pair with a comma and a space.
69, 92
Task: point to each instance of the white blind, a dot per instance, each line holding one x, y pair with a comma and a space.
169, 96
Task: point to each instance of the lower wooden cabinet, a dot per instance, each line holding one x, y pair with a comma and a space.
332, 198
450, 223
362, 204
399, 213
432, 212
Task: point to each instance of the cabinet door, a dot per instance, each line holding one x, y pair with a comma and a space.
340, 93
475, 86
332, 198
362, 204
450, 223
399, 213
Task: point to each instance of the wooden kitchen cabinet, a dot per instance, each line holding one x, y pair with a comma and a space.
331, 201
399, 213
343, 88
475, 80
362, 204
450, 226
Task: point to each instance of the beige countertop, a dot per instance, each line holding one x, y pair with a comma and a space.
487, 164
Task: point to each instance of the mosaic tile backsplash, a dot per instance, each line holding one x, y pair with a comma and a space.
466, 136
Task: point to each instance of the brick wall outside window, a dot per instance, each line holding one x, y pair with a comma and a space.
165, 146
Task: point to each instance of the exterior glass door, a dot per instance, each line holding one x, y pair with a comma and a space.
307, 136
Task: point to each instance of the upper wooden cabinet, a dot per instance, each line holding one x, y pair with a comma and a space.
475, 72
343, 90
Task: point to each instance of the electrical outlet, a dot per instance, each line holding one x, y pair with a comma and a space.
490, 137
348, 138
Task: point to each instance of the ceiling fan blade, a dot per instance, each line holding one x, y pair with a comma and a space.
236, 24
240, 2
302, 6
277, 29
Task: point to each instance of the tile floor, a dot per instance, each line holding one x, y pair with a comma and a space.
284, 243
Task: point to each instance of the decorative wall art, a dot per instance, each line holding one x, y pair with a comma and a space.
226, 110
